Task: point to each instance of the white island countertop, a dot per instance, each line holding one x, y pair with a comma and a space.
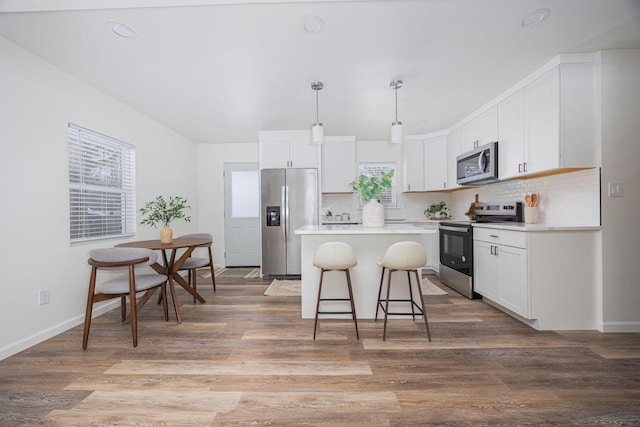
425, 228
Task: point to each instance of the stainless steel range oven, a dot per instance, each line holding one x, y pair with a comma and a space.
456, 244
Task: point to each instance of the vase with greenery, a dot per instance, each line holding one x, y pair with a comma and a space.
438, 211
159, 211
369, 188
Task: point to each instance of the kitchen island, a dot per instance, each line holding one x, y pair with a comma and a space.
369, 245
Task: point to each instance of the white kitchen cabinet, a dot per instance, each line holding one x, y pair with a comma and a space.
338, 164
480, 130
500, 268
453, 151
435, 163
413, 166
550, 123
287, 149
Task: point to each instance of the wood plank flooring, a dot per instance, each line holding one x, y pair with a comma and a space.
247, 359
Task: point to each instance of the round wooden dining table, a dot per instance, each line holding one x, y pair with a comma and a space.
172, 264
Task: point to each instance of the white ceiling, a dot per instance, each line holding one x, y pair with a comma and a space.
220, 71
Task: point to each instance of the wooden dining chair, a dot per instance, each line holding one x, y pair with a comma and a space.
128, 259
191, 264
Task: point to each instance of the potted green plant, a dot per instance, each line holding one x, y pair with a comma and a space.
438, 211
369, 188
159, 211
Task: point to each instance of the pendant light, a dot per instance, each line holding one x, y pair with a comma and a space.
317, 131
396, 127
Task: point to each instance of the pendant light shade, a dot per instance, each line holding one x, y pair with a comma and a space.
317, 131
396, 127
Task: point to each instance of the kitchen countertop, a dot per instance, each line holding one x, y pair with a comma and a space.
360, 229
521, 226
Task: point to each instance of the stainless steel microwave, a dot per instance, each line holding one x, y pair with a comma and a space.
479, 166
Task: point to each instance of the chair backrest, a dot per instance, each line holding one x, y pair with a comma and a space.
334, 256
404, 256
115, 255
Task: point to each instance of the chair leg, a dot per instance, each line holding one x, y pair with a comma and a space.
413, 312
213, 275
192, 277
315, 325
424, 307
386, 308
353, 306
379, 293
165, 303
123, 308
134, 311
89, 310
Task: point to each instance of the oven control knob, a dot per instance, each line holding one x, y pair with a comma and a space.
464, 259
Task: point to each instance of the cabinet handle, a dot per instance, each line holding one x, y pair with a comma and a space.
493, 235
524, 167
491, 249
495, 250
408, 187
444, 185
519, 167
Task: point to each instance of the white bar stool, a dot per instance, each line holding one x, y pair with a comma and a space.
409, 257
335, 256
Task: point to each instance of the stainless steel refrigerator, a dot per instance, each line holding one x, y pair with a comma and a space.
289, 201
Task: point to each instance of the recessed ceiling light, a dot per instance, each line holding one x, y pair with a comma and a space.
535, 17
121, 30
313, 24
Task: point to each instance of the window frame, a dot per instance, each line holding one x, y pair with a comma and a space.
102, 186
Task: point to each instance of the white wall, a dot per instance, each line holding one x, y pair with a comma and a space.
38, 100
211, 160
620, 157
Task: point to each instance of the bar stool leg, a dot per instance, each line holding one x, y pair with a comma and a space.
353, 306
424, 309
413, 312
379, 293
386, 308
315, 326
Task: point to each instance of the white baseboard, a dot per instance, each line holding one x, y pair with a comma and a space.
25, 343
621, 327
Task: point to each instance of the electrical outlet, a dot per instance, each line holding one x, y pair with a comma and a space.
44, 297
616, 189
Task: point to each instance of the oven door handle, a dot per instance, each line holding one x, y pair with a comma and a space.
454, 229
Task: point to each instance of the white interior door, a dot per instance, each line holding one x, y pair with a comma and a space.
241, 214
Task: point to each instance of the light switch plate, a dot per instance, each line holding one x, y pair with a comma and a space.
616, 189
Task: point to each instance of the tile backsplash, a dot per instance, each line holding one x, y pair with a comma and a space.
567, 199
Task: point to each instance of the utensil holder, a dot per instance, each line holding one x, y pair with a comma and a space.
531, 214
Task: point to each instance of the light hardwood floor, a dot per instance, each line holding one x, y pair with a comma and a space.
247, 359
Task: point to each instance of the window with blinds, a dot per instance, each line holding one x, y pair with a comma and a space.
101, 186
387, 197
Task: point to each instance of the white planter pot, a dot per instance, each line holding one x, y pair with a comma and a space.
373, 214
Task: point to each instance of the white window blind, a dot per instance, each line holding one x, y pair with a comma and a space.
387, 197
101, 186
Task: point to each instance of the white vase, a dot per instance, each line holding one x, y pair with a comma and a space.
373, 214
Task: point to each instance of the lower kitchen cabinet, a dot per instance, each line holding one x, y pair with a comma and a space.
547, 277
500, 274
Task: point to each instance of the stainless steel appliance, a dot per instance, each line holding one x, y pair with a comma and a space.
456, 244
289, 200
478, 166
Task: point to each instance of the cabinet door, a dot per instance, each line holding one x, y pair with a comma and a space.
511, 135
487, 126
469, 136
485, 269
453, 150
542, 118
413, 166
274, 155
513, 283
435, 163
303, 154
338, 166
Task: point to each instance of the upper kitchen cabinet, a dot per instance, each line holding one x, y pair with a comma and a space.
424, 163
413, 166
287, 149
480, 130
338, 164
435, 163
550, 124
453, 151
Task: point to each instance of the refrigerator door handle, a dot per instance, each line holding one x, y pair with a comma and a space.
285, 208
